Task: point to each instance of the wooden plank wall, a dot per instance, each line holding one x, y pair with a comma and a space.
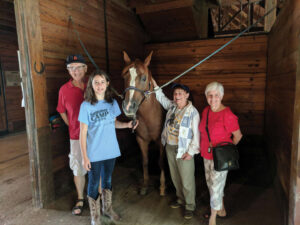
9, 62
240, 67
175, 20
59, 40
124, 33
283, 106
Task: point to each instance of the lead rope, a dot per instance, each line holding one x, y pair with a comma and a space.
106, 36
212, 54
90, 57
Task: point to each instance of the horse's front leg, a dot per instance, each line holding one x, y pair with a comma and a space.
144, 149
162, 170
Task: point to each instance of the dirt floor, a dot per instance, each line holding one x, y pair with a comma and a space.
250, 198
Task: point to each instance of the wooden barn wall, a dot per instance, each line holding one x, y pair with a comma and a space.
59, 40
283, 105
9, 62
240, 67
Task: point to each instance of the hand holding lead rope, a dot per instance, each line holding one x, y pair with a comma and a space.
134, 124
147, 94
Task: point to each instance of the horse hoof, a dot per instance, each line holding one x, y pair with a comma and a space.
143, 191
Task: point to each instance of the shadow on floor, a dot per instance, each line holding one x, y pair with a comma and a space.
249, 194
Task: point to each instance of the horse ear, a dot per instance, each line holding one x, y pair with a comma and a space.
148, 59
126, 58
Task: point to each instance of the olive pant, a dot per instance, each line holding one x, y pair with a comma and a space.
183, 177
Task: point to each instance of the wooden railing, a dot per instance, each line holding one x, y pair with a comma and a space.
232, 18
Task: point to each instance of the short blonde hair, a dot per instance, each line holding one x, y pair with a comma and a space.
214, 86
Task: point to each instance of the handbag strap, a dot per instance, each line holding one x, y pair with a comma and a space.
207, 131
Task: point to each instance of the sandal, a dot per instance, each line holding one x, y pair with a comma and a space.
207, 216
76, 207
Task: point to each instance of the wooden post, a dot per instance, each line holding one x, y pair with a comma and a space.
294, 204
201, 18
284, 75
270, 19
294, 212
34, 80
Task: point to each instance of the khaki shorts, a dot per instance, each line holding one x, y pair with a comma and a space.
76, 162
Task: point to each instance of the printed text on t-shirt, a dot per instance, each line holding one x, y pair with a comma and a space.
99, 115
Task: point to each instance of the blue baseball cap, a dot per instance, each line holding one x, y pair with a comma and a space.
78, 58
181, 86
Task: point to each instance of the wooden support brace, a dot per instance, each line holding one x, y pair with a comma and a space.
270, 19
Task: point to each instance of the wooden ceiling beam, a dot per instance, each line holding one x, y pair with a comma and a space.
234, 2
185, 19
11, 1
157, 7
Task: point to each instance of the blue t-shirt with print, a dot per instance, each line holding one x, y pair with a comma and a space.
102, 141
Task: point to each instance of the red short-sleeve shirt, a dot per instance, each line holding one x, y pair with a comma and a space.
69, 101
220, 125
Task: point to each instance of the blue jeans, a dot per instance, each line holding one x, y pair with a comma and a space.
99, 169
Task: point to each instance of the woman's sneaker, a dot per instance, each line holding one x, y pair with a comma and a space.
175, 205
188, 214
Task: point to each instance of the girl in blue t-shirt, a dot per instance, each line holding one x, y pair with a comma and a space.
98, 141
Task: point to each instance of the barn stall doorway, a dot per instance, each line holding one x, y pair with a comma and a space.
51, 50
12, 114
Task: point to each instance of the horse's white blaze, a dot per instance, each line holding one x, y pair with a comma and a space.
133, 75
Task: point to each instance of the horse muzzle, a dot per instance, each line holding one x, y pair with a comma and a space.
130, 108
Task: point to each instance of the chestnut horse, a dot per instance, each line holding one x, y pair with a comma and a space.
137, 80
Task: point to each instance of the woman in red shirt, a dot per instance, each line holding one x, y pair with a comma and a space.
223, 127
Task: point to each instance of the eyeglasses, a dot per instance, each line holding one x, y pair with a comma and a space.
74, 68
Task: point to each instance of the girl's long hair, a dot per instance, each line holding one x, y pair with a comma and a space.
90, 95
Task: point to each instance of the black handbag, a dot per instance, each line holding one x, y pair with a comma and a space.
225, 154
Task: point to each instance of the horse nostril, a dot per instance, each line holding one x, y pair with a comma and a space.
126, 106
133, 104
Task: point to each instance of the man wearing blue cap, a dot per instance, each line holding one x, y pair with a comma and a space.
71, 95
181, 138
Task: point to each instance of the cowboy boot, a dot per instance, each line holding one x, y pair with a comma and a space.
94, 210
107, 205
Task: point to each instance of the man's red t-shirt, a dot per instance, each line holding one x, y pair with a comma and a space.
220, 125
69, 101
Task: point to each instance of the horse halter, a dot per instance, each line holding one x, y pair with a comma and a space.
144, 93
